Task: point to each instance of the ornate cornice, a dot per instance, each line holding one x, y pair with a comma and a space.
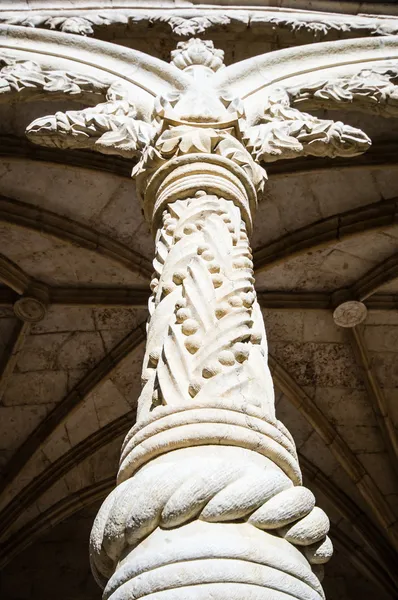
191, 21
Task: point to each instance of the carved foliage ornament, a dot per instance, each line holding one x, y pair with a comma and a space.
109, 127
196, 52
191, 22
27, 79
285, 132
281, 131
372, 90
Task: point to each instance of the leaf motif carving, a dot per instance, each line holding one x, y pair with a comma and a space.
173, 370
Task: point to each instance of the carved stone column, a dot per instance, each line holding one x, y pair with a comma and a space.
209, 501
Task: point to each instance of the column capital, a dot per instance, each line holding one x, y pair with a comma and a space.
191, 157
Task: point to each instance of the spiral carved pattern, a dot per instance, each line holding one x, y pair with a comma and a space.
208, 475
205, 337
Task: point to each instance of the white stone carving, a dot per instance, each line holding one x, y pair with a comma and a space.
207, 449
32, 306
372, 90
187, 26
191, 21
320, 25
285, 132
350, 313
109, 127
280, 132
212, 334
196, 52
208, 471
27, 79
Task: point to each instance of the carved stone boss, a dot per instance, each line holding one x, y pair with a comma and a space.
209, 501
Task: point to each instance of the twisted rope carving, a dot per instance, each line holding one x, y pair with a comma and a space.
226, 484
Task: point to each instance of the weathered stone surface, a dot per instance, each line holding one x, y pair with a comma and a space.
323, 365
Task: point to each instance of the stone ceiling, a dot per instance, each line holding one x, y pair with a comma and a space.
71, 224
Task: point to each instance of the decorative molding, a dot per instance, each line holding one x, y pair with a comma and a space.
373, 90
375, 278
107, 296
64, 408
326, 25
382, 302
292, 300
308, 26
13, 276
25, 79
